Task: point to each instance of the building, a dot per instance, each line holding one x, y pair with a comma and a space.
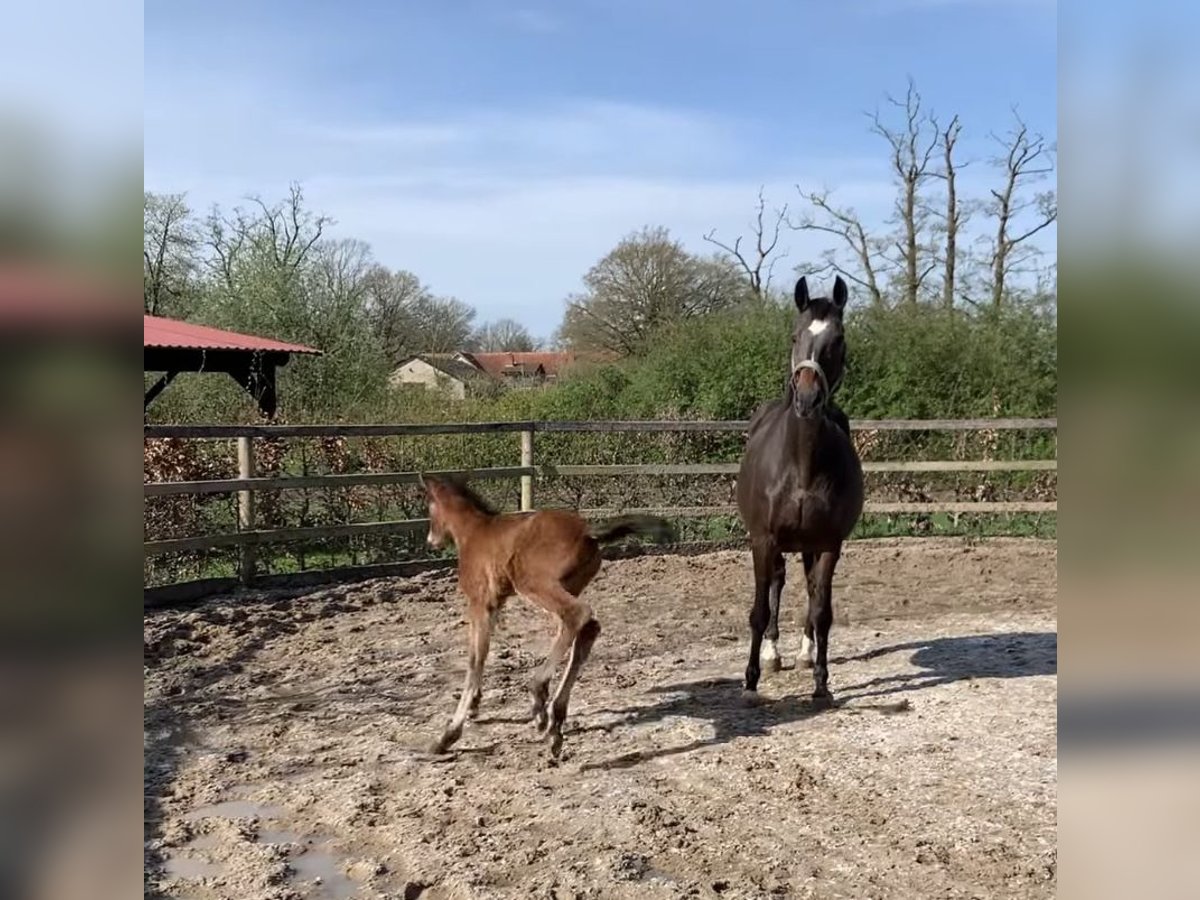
446, 372
171, 346
454, 373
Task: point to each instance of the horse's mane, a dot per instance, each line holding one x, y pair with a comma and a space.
460, 489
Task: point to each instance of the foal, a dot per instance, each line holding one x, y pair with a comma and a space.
548, 557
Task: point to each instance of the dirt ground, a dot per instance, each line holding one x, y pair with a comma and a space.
285, 736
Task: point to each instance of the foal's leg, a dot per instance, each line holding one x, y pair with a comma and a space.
479, 634
580, 650
821, 616
539, 687
807, 648
579, 630
770, 647
760, 613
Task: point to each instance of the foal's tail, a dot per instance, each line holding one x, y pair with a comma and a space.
653, 527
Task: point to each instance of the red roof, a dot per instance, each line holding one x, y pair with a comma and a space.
160, 332
498, 364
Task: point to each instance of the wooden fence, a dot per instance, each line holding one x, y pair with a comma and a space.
248, 484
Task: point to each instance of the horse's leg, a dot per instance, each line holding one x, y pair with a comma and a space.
807, 653
573, 583
579, 630
821, 616
580, 650
539, 687
479, 627
760, 613
480, 648
770, 648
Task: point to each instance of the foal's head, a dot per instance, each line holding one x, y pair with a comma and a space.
449, 502
818, 348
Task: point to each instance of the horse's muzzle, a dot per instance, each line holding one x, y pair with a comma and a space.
810, 389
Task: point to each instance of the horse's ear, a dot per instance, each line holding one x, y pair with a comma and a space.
425, 485
840, 293
802, 294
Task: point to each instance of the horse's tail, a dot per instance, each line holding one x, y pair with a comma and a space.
653, 527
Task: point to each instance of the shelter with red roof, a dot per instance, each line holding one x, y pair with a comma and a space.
171, 346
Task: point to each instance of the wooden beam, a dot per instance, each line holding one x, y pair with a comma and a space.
158, 387
597, 427
328, 482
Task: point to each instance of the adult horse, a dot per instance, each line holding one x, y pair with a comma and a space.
800, 487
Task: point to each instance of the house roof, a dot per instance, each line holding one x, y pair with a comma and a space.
447, 364
162, 332
499, 364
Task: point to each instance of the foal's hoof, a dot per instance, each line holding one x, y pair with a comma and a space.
772, 664
822, 699
556, 742
752, 698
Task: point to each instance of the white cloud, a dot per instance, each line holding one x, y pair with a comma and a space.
503, 208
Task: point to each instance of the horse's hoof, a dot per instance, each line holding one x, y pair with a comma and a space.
556, 743
752, 698
806, 662
772, 664
822, 698
438, 747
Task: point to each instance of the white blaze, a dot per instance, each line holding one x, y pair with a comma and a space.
816, 326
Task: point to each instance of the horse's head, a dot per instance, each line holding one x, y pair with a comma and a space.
818, 348
435, 494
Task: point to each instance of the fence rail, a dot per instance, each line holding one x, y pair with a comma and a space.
248, 537
212, 432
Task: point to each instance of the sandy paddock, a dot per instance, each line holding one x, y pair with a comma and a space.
284, 734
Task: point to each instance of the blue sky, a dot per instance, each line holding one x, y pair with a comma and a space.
498, 149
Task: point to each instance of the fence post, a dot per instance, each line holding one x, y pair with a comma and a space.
245, 452
526, 480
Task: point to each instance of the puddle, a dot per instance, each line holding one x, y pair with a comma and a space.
233, 809
273, 836
315, 870
180, 865
192, 867
314, 863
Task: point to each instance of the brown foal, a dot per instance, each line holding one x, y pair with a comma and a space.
548, 557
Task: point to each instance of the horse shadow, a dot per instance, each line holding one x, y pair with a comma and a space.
940, 661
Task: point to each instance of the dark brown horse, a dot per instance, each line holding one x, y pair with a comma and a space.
800, 487
548, 557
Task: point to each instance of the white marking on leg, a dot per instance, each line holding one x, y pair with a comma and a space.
816, 326
769, 651
808, 650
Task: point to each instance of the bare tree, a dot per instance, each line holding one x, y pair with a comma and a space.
392, 299
168, 242
442, 324
502, 335
648, 280
1026, 159
912, 145
954, 216
764, 248
277, 236
845, 224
